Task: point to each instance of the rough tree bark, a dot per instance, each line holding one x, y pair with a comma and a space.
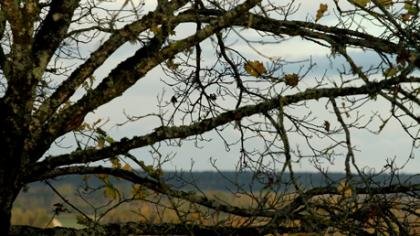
36, 110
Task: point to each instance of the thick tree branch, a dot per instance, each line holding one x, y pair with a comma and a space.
96, 59
14, 16
4, 63
331, 34
164, 133
129, 72
52, 31
17, 66
158, 186
35, 111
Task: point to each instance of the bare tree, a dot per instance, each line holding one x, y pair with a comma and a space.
52, 49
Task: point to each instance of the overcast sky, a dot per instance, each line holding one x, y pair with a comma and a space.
141, 99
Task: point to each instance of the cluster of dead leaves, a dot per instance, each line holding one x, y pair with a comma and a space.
257, 69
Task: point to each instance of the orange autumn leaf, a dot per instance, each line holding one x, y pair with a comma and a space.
127, 167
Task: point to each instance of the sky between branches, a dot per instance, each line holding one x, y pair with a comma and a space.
141, 99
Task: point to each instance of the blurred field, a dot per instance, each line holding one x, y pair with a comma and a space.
175, 211
37, 207
38, 213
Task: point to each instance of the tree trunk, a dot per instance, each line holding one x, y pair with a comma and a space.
9, 188
5, 216
10, 185
8, 194
12, 135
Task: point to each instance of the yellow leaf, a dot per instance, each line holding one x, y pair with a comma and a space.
115, 163
103, 177
362, 3
157, 173
345, 189
408, 5
291, 79
127, 167
411, 8
412, 58
155, 29
321, 11
110, 192
195, 216
333, 200
390, 71
138, 192
82, 220
101, 143
109, 139
148, 168
250, 20
171, 64
385, 3
255, 68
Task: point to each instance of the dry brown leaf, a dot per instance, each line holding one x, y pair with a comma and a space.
321, 11
327, 126
255, 68
291, 79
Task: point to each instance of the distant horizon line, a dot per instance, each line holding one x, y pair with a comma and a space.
248, 171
